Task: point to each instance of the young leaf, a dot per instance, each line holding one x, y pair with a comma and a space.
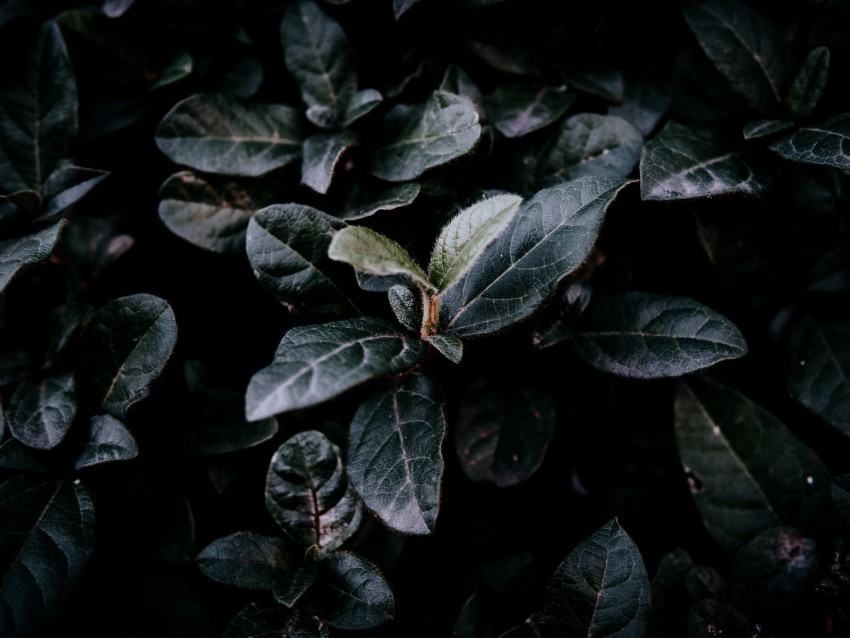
462, 241
287, 245
46, 537
308, 494
38, 112
319, 56
245, 559
745, 47
548, 238
395, 461
808, 84
321, 155
361, 103
519, 109
683, 163
414, 138
709, 618
646, 336
449, 346
406, 306
600, 589
224, 134
502, 432
365, 205
823, 142
318, 362
125, 347
590, 144
352, 593
66, 186
747, 471
41, 412
819, 370
109, 440
20, 252
372, 253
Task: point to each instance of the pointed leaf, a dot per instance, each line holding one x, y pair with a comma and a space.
548, 238
109, 440
295, 582
710, 618
414, 138
682, 163
372, 253
747, 471
400, 7
287, 246
46, 537
66, 186
319, 56
322, 152
245, 559
519, 109
823, 142
462, 241
308, 494
38, 112
178, 68
125, 347
647, 336
361, 103
503, 431
362, 205
353, 593
267, 619
763, 128
449, 346
600, 589
745, 47
406, 306
41, 412
224, 134
590, 144
819, 370
20, 252
395, 462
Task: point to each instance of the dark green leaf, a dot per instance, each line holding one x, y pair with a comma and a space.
267, 619
125, 348
401, 6
46, 537
26, 202
308, 494
668, 594
456, 80
747, 472
245, 559
682, 163
14, 455
178, 68
38, 112
823, 142
548, 238
223, 134
41, 412
361, 103
711, 618
763, 128
294, 583
66, 186
808, 84
322, 152
645, 100
353, 594
503, 431
20, 252
590, 144
395, 458
364, 205
109, 440
819, 370
745, 47
606, 83
600, 589
449, 346
239, 75
319, 56
406, 306
287, 246
414, 138
703, 582
519, 109
646, 336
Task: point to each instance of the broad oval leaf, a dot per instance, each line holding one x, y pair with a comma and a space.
41, 412
352, 593
395, 460
318, 362
224, 134
502, 431
20, 252
46, 537
548, 238
109, 440
590, 144
462, 241
819, 370
245, 559
808, 84
747, 472
125, 347
600, 589
308, 494
519, 109
267, 619
823, 142
683, 163
647, 336
745, 47
414, 138
322, 152
287, 245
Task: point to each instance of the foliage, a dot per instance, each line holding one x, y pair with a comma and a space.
473, 318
